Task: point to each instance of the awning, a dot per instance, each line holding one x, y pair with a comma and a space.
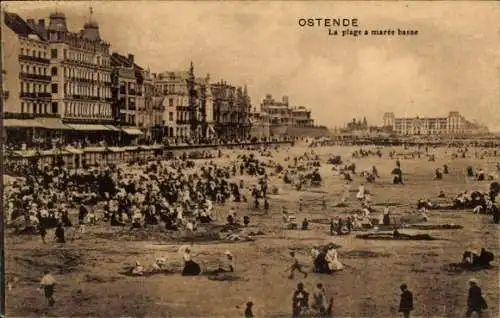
88, 127
53, 152
151, 147
94, 149
130, 148
27, 153
52, 123
113, 128
156, 146
116, 149
74, 150
21, 123
132, 131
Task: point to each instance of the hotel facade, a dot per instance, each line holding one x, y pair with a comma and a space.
453, 124
56, 83
281, 113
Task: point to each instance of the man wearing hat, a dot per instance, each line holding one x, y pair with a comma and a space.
406, 302
248, 310
300, 301
475, 301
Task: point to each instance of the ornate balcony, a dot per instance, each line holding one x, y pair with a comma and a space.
33, 59
36, 77
34, 95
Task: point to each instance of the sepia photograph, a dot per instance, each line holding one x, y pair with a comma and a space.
250, 159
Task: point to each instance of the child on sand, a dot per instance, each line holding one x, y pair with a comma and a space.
296, 266
48, 283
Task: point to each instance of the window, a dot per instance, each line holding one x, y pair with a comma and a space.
54, 107
171, 102
171, 116
53, 71
65, 54
53, 53
35, 108
22, 51
54, 88
22, 107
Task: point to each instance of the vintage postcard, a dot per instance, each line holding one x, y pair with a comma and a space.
250, 159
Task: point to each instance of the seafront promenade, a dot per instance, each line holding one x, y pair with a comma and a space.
71, 157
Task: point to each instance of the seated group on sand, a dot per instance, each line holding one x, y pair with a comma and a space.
473, 259
190, 268
326, 260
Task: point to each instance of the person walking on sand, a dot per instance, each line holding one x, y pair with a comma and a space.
248, 310
59, 234
406, 302
43, 232
296, 266
319, 301
300, 301
475, 300
266, 205
47, 283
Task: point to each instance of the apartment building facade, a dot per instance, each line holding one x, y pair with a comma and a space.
187, 104
231, 109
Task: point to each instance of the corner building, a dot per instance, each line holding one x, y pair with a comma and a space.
25, 79
81, 77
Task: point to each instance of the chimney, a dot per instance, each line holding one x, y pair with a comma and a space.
131, 59
41, 26
285, 100
31, 23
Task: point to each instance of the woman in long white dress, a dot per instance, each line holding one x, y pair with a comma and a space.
333, 262
361, 193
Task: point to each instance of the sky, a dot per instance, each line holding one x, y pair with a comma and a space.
453, 64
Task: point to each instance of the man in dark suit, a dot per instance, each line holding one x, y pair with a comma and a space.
406, 302
475, 301
300, 301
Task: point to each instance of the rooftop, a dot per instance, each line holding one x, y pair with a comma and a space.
19, 26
